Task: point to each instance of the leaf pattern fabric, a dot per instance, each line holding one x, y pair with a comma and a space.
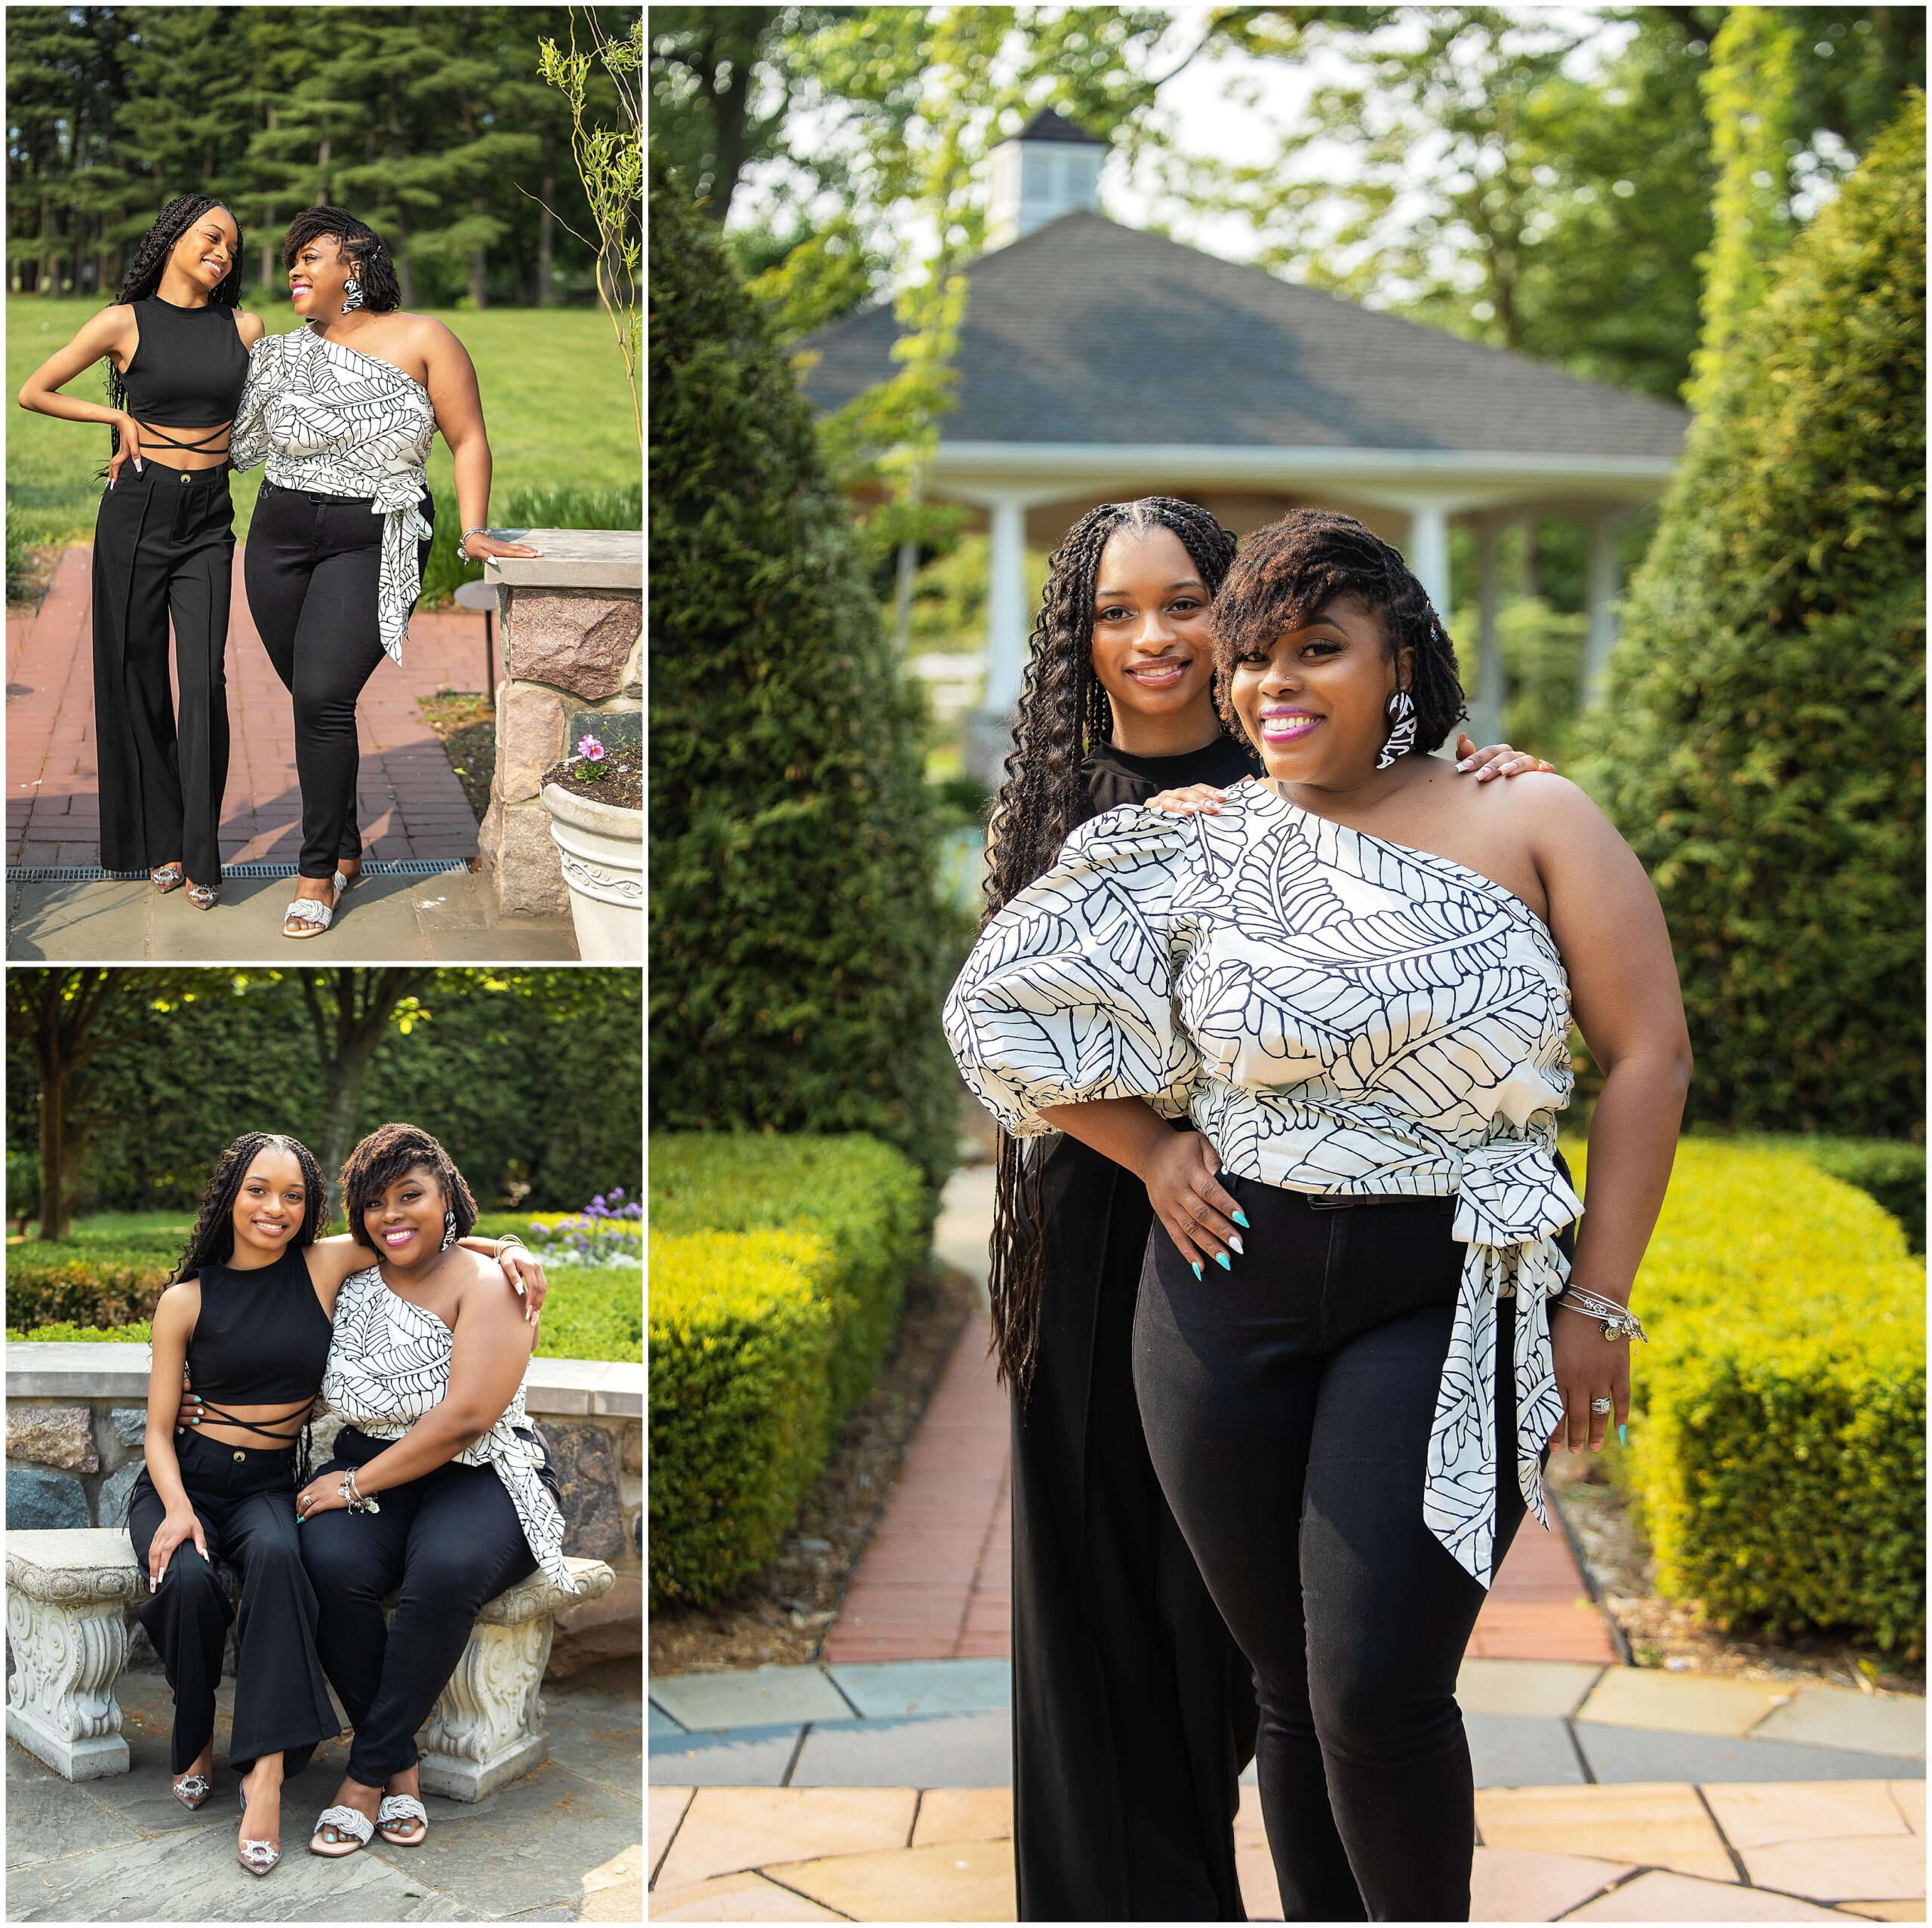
337, 421
389, 1365
1338, 1014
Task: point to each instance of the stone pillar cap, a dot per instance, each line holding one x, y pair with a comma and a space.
74, 1563
572, 559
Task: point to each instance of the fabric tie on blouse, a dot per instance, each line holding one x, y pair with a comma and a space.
1511, 1201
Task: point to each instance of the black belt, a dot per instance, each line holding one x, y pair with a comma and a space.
320, 496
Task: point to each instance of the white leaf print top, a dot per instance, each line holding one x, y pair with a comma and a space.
337, 421
389, 1364
1338, 1014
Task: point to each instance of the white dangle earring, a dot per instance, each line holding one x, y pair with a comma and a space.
449, 1230
1401, 738
352, 295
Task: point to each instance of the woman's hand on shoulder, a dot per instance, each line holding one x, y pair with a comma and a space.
1194, 800
1495, 760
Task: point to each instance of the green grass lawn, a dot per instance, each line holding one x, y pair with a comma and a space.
554, 396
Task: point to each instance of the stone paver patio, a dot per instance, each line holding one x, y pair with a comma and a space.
1659, 1852
564, 1844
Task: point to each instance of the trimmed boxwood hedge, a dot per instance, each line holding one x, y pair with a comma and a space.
1777, 1444
742, 1332
799, 952
1761, 741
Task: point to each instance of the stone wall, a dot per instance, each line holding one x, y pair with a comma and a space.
76, 1416
573, 644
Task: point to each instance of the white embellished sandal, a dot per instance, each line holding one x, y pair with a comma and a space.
166, 877
395, 1808
258, 1857
190, 1790
312, 913
345, 1821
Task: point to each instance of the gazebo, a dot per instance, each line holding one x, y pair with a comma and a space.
1097, 363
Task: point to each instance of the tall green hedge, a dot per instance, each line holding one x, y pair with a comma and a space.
795, 940
1761, 738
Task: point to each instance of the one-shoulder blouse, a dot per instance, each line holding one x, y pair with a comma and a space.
1337, 1014
328, 418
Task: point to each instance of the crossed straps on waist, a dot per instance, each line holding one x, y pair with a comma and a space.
298, 1420
156, 438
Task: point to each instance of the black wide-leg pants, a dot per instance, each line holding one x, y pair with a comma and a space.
164, 546
245, 1501
312, 566
1287, 1405
444, 1544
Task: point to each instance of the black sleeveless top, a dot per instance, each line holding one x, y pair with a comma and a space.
261, 1337
188, 369
1114, 777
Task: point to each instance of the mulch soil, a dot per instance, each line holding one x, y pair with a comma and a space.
1674, 1634
620, 782
465, 723
781, 1617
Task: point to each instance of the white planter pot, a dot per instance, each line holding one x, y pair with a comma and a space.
602, 848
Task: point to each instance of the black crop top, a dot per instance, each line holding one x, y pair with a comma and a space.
188, 368
261, 1337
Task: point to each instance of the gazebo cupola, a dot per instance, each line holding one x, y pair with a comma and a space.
1049, 168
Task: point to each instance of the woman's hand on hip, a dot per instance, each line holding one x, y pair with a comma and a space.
323, 1494
479, 545
174, 1528
1199, 1215
1587, 1367
130, 450
189, 1412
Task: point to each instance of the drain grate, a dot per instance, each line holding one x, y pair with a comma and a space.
85, 873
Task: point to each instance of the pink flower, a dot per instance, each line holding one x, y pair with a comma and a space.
589, 747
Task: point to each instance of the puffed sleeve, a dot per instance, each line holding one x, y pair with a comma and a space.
248, 435
1068, 996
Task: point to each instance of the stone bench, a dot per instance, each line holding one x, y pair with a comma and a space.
67, 1594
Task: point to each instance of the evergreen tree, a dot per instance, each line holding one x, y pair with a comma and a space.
796, 941
1762, 741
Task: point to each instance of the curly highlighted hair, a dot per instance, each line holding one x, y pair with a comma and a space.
1289, 571
212, 1241
391, 1151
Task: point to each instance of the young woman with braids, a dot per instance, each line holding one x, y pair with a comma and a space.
441, 1491
177, 348
1133, 1709
343, 411
1328, 1027
248, 1318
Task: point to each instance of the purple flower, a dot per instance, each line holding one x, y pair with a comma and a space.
588, 747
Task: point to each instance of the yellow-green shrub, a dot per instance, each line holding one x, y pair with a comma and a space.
741, 1339
1778, 1448
869, 1203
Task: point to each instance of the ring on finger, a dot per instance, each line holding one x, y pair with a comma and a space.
1602, 1406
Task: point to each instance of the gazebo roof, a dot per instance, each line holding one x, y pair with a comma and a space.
1088, 333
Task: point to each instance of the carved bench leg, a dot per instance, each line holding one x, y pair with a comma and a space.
60, 1705
487, 1727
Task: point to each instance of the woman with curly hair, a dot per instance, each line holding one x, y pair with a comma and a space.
343, 411
426, 1370
1133, 1708
177, 348
249, 1317
1327, 1028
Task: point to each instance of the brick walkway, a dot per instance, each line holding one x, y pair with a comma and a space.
410, 802
936, 1582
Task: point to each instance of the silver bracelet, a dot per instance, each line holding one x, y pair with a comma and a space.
353, 1496
465, 536
510, 1242
1618, 1321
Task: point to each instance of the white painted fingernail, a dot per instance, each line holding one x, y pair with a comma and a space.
1464, 764
1234, 1239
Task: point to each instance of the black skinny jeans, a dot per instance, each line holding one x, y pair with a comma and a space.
163, 547
311, 565
1286, 1405
447, 1542
245, 1500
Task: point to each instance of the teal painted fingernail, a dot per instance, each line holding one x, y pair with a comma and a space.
1623, 1436
1195, 1263
1221, 1259
1240, 1219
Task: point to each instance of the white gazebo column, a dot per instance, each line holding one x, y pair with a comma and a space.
989, 730
1489, 686
1428, 556
1601, 585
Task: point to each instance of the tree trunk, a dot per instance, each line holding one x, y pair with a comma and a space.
478, 262
53, 1129
346, 1037
322, 175
547, 222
